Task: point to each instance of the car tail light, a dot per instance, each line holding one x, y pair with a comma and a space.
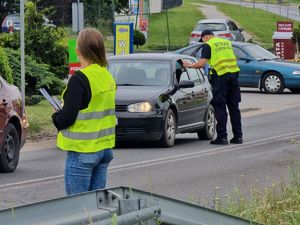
227, 35
195, 35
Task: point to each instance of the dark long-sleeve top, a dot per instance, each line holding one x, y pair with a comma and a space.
76, 97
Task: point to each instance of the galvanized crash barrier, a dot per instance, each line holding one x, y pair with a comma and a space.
121, 205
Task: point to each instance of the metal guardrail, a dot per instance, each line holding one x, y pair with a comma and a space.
121, 205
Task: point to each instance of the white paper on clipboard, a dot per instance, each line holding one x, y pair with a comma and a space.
56, 104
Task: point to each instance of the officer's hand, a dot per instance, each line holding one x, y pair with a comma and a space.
186, 64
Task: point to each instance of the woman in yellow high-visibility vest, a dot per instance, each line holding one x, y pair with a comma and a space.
87, 120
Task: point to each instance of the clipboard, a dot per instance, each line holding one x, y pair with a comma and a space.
54, 102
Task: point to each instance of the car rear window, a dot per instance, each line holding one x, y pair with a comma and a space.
210, 26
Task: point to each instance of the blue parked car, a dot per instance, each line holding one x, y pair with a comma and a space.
259, 67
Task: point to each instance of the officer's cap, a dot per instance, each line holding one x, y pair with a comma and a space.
204, 33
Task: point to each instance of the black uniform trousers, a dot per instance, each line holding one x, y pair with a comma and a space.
226, 92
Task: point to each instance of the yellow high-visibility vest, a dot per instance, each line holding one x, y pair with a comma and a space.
94, 128
222, 58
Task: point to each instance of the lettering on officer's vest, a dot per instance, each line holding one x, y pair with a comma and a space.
219, 46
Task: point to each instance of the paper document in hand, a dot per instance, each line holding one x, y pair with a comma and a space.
56, 104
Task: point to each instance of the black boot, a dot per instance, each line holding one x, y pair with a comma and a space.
236, 140
219, 141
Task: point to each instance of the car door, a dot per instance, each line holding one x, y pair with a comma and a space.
184, 101
199, 94
4, 107
247, 67
235, 31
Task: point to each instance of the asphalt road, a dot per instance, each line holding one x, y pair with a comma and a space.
192, 170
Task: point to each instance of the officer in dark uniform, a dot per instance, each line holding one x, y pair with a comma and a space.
218, 52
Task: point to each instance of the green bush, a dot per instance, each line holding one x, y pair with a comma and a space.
138, 38
33, 100
5, 69
36, 75
44, 43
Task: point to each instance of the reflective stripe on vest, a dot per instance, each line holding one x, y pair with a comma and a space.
95, 115
88, 136
94, 127
222, 58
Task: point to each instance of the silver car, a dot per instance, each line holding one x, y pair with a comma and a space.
223, 28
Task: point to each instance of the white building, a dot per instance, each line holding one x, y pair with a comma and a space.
155, 6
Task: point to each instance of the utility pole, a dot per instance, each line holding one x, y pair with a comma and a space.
137, 15
168, 30
22, 47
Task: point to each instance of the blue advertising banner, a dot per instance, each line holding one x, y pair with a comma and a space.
123, 43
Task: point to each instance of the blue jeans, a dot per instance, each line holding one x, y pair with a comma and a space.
86, 171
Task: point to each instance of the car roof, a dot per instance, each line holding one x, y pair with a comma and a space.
235, 43
148, 56
15, 15
214, 21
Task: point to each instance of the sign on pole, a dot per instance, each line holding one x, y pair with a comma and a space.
77, 16
74, 63
123, 43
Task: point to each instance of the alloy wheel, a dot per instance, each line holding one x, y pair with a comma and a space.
273, 83
171, 127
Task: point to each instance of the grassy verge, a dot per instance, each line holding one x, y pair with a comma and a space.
40, 122
259, 23
182, 21
284, 2
276, 205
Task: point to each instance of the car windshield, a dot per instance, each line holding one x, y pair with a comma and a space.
211, 26
141, 72
259, 53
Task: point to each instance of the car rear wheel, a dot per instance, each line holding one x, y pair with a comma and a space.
272, 83
169, 130
10, 149
208, 132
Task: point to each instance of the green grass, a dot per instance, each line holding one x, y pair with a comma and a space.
276, 205
182, 21
284, 2
40, 122
259, 23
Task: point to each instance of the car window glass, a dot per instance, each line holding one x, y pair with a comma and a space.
194, 76
233, 26
189, 51
141, 72
200, 74
239, 53
184, 76
211, 26
198, 53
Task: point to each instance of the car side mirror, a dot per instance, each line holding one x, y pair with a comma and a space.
186, 84
241, 29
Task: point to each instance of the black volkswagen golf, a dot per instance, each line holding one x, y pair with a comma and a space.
157, 98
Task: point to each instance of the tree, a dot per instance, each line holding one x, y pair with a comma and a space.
62, 13
121, 6
44, 43
138, 38
5, 69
